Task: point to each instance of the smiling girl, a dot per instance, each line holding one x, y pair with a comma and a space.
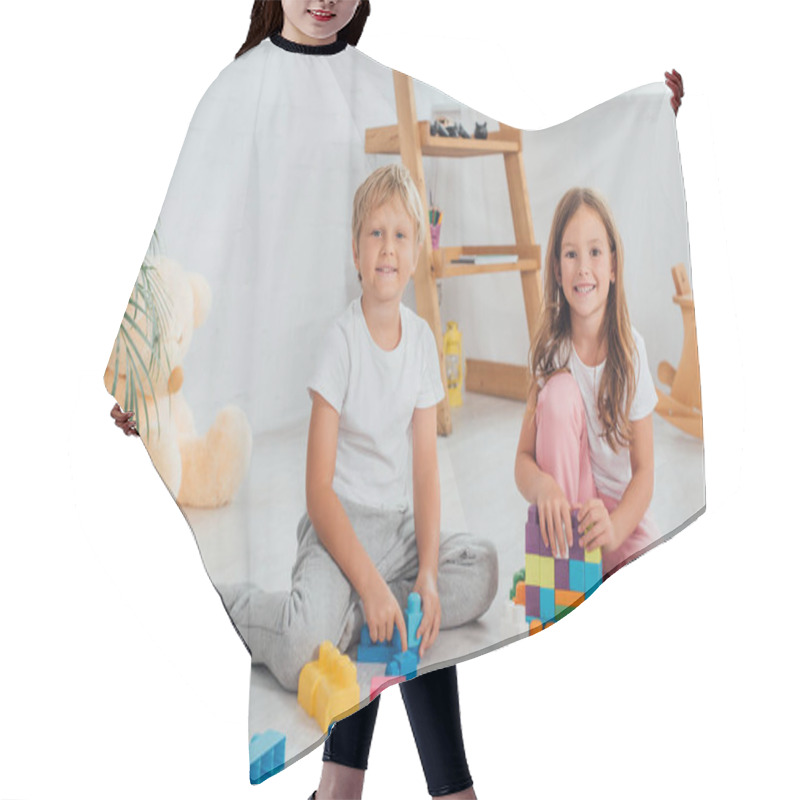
587, 434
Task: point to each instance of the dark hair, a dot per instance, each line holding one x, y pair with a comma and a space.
266, 19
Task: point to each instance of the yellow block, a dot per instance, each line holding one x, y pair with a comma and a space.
594, 556
532, 569
547, 572
328, 686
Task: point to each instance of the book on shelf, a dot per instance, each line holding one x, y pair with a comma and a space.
486, 259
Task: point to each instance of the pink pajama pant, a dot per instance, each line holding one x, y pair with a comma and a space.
562, 451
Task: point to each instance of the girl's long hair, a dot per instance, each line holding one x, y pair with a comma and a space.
552, 343
266, 19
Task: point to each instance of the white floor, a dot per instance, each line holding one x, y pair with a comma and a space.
253, 539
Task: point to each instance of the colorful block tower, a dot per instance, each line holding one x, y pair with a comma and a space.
328, 686
554, 586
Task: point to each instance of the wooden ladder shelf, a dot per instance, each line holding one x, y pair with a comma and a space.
411, 140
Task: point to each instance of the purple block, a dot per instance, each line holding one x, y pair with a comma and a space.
562, 573
533, 537
576, 551
532, 601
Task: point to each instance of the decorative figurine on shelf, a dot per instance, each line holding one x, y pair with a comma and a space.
446, 126
435, 218
481, 130
437, 129
453, 364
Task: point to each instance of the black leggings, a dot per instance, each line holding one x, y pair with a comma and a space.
433, 711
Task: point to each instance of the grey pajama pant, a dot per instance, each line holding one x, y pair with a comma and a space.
283, 629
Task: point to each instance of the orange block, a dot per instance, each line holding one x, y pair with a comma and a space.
536, 626
519, 598
565, 597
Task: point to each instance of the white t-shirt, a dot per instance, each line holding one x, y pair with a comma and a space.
612, 471
375, 392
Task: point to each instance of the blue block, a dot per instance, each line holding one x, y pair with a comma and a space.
379, 653
267, 755
593, 576
547, 604
370, 652
413, 615
404, 664
576, 575
413, 618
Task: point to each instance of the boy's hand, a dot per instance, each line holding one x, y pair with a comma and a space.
383, 612
555, 517
593, 514
426, 587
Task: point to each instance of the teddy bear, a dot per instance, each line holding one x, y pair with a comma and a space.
145, 375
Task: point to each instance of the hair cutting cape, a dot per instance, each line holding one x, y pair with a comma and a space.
250, 265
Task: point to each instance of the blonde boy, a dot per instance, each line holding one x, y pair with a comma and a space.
362, 547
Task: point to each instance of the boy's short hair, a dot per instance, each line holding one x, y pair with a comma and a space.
379, 188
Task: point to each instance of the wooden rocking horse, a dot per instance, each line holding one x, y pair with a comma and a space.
683, 406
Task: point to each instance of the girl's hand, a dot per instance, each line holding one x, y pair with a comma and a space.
124, 420
428, 590
555, 517
596, 526
675, 83
382, 612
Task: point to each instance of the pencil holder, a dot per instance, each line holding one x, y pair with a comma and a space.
435, 231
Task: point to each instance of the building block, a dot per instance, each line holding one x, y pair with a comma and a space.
267, 755
564, 597
519, 597
561, 611
404, 664
535, 626
533, 538
576, 575
547, 604
370, 652
380, 682
593, 576
594, 556
561, 573
519, 577
413, 618
547, 572
532, 569
532, 607
328, 687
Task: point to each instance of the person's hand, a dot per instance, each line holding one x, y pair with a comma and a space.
596, 527
124, 420
675, 82
382, 612
555, 518
426, 587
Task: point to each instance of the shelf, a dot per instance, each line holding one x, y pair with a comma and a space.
529, 259
387, 141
